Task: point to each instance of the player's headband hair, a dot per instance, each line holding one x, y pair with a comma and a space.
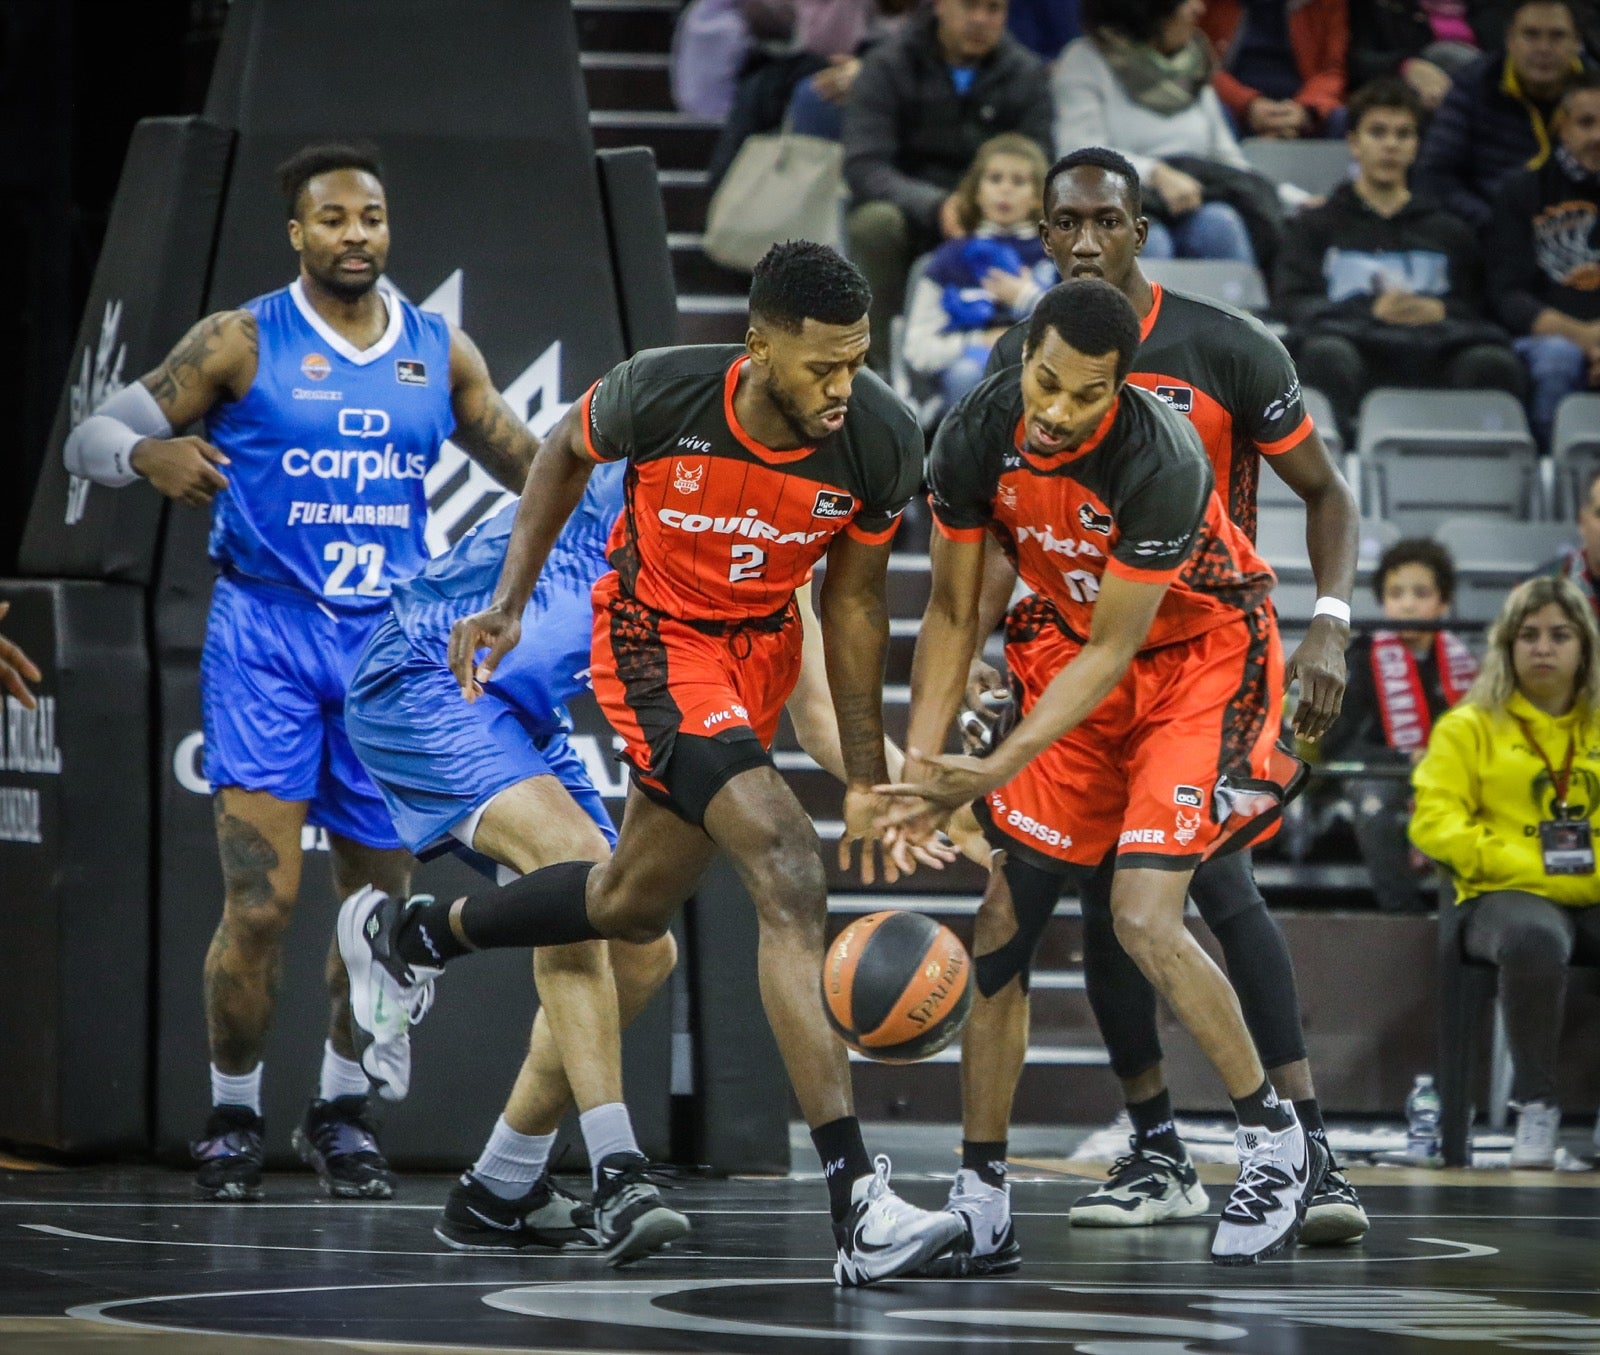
798, 281
1092, 317
323, 158
1098, 157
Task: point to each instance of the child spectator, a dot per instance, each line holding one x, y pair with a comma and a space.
1381, 287
973, 289
1400, 682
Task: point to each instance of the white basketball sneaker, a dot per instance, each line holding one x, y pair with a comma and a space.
1278, 1173
1145, 1187
989, 1243
387, 995
882, 1235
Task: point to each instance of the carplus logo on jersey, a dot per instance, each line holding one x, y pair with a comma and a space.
363, 464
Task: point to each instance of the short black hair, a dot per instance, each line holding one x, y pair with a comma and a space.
1575, 12
1387, 92
1138, 20
1091, 316
1418, 550
1580, 82
323, 158
1098, 157
797, 281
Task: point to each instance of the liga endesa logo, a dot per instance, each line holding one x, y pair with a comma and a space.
315, 367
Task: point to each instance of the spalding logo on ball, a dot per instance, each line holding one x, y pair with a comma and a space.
897, 986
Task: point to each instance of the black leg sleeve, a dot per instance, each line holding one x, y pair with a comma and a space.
1123, 1001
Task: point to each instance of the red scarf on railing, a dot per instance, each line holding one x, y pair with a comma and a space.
1401, 700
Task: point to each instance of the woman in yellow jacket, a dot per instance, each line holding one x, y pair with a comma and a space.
1506, 800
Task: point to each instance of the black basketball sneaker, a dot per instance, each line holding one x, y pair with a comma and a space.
476, 1219
230, 1155
629, 1214
338, 1140
1145, 1187
1334, 1214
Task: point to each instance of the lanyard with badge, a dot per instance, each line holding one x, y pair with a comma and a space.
1567, 845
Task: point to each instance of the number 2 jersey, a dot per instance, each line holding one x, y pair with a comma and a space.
718, 528
329, 448
1135, 500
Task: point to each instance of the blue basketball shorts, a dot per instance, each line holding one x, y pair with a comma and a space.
273, 677
438, 758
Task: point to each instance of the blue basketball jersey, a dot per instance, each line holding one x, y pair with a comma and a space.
462, 580
329, 449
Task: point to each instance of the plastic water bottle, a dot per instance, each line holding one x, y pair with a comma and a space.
1422, 1119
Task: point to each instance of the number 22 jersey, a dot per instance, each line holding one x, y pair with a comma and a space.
329, 448
717, 527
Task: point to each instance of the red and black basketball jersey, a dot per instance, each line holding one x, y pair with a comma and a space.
1222, 369
1136, 500
716, 526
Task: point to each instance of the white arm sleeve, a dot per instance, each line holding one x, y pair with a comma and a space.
99, 448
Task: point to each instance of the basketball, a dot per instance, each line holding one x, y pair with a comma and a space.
897, 986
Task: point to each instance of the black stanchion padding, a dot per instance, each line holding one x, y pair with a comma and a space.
148, 287
742, 1096
75, 862
636, 222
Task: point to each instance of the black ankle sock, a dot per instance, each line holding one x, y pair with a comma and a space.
844, 1160
1263, 1108
987, 1159
1153, 1126
424, 936
1309, 1114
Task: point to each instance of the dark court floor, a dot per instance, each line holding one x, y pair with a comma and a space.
108, 1262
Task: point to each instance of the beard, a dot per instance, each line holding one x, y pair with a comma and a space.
347, 288
792, 414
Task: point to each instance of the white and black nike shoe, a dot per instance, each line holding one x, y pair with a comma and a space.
387, 995
988, 1245
629, 1213
1145, 1187
1334, 1215
476, 1219
883, 1236
1278, 1173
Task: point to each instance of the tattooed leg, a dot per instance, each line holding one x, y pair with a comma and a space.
258, 838
355, 865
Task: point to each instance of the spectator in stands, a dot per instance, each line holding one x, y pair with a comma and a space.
1424, 42
1496, 118
1139, 82
1400, 682
973, 289
806, 77
1581, 564
1283, 64
1381, 287
1506, 798
923, 104
1544, 258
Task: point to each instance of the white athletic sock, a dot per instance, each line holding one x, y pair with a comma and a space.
340, 1076
243, 1089
511, 1162
607, 1130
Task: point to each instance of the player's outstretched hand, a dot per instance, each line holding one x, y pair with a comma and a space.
184, 469
1318, 663
862, 811
492, 630
17, 670
935, 787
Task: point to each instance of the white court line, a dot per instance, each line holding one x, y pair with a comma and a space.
1468, 1250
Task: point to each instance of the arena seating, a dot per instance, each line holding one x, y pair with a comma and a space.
1316, 166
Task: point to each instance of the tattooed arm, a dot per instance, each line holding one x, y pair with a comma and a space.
215, 361
486, 426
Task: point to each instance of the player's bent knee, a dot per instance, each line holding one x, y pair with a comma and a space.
251, 921
582, 959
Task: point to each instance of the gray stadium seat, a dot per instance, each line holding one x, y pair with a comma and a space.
1435, 454
1226, 280
1281, 542
1492, 556
1575, 449
1316, 166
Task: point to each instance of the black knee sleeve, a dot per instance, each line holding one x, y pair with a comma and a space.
1034, 894
1122, 999
1262, 974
